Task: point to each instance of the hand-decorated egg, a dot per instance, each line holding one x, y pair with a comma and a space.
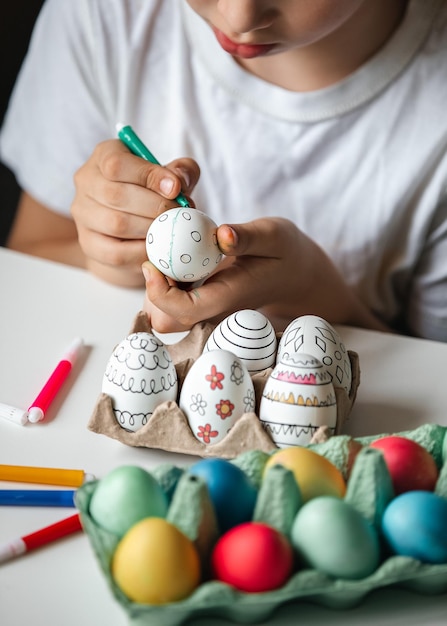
182, 244
297, 399
313, 335
249, 335
139, 376
216, 392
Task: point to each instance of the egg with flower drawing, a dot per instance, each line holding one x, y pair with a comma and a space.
216, 392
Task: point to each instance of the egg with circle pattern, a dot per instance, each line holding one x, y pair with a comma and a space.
139, 376
249, 335
182, 244
313, 335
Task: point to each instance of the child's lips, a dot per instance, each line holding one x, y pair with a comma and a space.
243, 50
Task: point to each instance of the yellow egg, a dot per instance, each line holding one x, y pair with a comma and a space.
155, 563
315, 475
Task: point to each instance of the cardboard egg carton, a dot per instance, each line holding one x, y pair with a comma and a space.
168, 427
368, 490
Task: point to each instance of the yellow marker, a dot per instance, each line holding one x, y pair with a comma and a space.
44, 475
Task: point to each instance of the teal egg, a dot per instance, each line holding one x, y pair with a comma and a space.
330, 535
125, 496
415, 524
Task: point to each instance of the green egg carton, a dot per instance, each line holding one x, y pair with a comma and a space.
369, 489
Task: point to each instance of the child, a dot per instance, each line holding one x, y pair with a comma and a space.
319, 129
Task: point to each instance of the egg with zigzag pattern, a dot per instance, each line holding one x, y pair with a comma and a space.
297, 399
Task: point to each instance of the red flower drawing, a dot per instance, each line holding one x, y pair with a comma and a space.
215, 378
206, 433
224, 409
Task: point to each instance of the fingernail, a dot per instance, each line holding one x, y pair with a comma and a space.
227, 237
166, 186
184, 175
146, 272
232, 236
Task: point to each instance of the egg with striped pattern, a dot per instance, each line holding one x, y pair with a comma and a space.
297, 399
249, 335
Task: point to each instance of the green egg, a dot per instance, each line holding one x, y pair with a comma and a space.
125, 496
331, 536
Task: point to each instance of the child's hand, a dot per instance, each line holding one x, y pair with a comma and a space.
117, 197
272, 266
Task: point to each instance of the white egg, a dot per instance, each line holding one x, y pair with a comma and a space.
182, 244
216, 392
249, 335
310, 334
139, 376
297, 399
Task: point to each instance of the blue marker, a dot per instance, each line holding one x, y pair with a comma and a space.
37, 497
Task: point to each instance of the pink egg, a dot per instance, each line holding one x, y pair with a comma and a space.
253, 557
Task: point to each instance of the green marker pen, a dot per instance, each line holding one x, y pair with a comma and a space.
137, 147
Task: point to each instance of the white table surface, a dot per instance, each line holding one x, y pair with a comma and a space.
43, 306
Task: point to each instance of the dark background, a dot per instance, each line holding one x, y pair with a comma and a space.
17, 19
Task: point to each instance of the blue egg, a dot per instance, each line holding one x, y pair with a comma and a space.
231, 492
415, 524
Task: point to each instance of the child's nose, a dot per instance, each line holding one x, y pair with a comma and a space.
244, 16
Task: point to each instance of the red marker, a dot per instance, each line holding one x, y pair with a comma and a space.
40, 538
36, 411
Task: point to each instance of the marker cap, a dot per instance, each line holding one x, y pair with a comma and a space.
13, 414
35, 414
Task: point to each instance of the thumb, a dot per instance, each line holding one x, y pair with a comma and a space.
260, 237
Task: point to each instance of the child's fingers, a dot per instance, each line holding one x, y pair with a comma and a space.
118, 164
187, 306
187, 170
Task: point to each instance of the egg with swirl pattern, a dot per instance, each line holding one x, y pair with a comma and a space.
139, 375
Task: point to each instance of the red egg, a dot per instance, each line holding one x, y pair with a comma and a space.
253, 557
410, 465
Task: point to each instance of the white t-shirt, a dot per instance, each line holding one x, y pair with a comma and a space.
360, 166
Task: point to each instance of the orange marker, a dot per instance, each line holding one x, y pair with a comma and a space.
44, 475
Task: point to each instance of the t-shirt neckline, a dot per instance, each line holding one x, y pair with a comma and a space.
355, 90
